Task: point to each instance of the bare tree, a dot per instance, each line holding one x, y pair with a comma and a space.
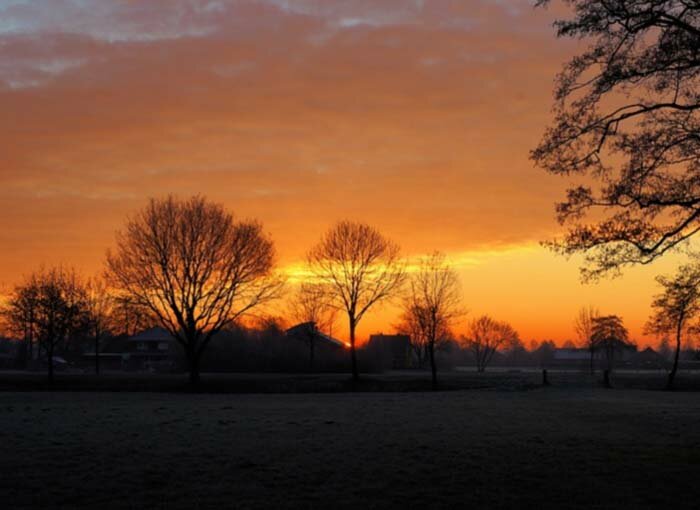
19, 316
361, 268
627, 121
433, 303
194, 268
675, 309
485, 337
583, 325
58, 308
610, 335
311, 305
99, 310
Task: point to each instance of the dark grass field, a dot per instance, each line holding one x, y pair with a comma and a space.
574, 446
396, 381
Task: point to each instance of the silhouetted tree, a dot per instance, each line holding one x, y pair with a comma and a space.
610, 335
583, 325
58, 308
19, 316
627, 121
360, 267
485, 336
194, 268
311, 305
99, 308
675, 309
410, 326
433, 303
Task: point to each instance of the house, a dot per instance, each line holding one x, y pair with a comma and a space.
151, 349
391, 351
306, 330
581, 358
647, 359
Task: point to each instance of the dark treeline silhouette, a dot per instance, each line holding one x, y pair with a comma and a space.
192, 270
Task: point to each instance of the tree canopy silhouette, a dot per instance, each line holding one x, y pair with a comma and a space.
360, 267
194, 268
676, 308
54, 302
485, 336
610, 335
433, 303
627, 121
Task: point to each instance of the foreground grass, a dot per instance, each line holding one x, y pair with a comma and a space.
545, 448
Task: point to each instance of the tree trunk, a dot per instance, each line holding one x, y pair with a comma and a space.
97, 354
592, 354
674, 369
353, 354
433, 366
311, 355
50, 360
606, 378
193, 359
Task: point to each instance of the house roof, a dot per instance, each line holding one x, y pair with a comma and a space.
572, 354
152, 335
305, 328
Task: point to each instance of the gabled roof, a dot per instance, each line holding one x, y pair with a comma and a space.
303, 330
156, 334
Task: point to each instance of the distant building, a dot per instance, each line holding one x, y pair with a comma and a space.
581, 358
392, 351
306, 330
647, 359
151, 349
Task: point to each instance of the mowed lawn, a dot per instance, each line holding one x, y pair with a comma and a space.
543, 448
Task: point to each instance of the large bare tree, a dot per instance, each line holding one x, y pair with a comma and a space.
56, 298
485, 336
676, 308
583, 325
194, 268
361, 268
627, 122
433, 303
311, 305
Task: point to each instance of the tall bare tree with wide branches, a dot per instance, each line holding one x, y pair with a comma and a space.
194, 268
361, 268
433, 303
627, 121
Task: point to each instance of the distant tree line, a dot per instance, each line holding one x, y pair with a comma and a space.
191, 268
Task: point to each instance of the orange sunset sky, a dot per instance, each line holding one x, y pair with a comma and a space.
415, 116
